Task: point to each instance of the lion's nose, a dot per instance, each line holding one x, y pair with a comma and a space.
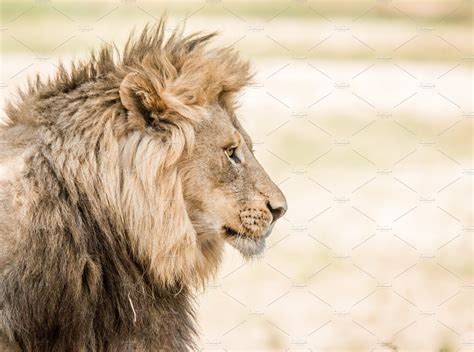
277, 208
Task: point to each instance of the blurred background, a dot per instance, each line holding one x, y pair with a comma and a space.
362, 112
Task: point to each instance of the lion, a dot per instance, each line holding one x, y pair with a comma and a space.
121, 180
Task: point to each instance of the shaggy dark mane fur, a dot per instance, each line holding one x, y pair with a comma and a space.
204, 75
81, 265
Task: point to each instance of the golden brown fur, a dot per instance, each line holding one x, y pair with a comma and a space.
116, 197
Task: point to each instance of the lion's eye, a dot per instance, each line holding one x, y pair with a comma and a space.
231, 154
230, 151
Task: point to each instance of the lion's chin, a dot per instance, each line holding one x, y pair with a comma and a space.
248, 246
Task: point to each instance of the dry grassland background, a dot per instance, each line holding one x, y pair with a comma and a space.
362, 112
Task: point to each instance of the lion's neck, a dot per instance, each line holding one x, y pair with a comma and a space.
74, 282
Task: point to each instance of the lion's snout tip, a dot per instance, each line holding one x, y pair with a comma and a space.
277, 209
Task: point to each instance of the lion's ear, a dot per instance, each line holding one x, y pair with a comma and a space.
139, 96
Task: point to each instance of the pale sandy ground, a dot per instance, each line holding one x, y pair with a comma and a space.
375, 157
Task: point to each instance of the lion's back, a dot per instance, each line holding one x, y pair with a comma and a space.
11, 168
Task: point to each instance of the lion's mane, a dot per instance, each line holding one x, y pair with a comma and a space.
97, 249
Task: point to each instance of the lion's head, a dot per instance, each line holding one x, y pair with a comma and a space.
183, 95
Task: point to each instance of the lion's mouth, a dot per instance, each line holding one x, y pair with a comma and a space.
233, 233
248, 245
